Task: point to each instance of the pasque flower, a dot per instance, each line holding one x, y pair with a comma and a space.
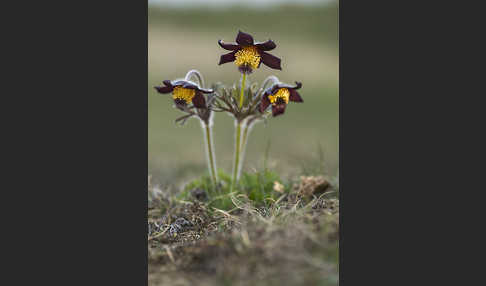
185, 92
279, 95
249, 55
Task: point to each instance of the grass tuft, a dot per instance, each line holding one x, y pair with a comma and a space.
257, 186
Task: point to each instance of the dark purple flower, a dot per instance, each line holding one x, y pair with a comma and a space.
249, 55
185, 92
279, 96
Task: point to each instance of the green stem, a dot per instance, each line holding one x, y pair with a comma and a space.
238, 137
242, 90
237, 155
245, 134
211, 161
243, 147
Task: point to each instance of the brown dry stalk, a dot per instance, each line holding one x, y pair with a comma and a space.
159, 234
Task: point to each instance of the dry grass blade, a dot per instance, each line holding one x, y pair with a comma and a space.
169, 253
245, 238
242, 205
159, 234
227, 215
280, 198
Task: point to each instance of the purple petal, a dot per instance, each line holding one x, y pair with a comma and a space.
266, 46
295, 96
199, 101
226, 58
164, 89
271, 61
271, 90
244, 39
297, 85
229, 46
278, 109
274, 89
264, 104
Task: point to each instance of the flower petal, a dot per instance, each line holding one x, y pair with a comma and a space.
199, 101
165, 89
244, 39
266, 46
264, 104
229, 46
285, 85
271, 61
278, 109
274, 89
226, 58
205, 90
297, 85
188, 85
295, 96
191, 85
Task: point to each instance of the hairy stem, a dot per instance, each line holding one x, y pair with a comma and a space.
197, 75
270, 79
237, 154
242, 89
210, 153
244, 140
206, 126
236, 165
245, 134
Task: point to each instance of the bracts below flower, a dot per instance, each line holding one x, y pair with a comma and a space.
257, 100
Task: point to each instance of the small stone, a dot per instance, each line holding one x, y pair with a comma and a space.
277, 187
183, 222
199, 194
179, 226
312, 185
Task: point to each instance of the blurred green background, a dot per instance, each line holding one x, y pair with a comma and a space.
183, 38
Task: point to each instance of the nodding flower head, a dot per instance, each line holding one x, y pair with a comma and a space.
279, 96
185, 92
249, 55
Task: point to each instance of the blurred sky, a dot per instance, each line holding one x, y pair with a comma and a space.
227, 3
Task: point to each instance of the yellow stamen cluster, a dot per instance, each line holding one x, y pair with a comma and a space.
282, 93
185, 94
248, 56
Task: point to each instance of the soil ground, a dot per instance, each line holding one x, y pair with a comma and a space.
291, 240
